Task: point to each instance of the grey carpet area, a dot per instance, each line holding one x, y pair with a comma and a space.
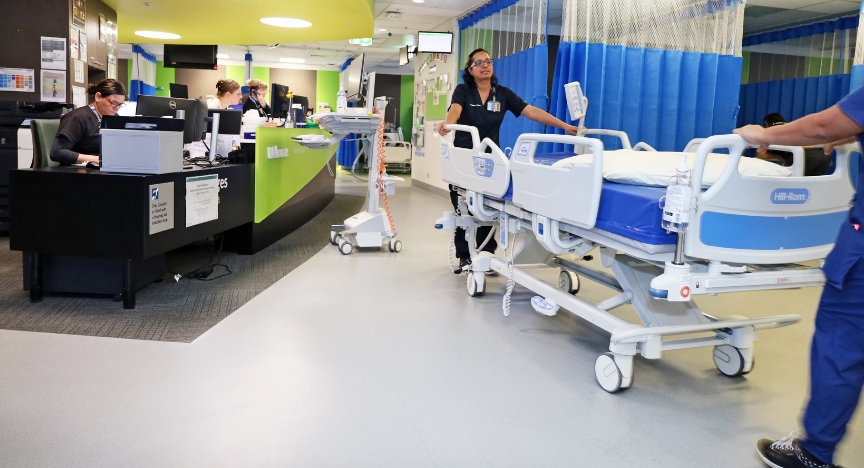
167, 311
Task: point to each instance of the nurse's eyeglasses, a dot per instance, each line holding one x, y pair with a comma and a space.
480, 63
115, 104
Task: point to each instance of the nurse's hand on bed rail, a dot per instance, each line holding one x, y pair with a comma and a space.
829, 147
753, 134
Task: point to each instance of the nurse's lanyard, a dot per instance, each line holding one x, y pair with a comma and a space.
99, 119
493, 105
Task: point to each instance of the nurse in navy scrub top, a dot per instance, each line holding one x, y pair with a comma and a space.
837, 350
78, 139
481, 102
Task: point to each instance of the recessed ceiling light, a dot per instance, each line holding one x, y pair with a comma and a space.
419, 1
291, 60
156, 35
223, 56
286, 22
383, 30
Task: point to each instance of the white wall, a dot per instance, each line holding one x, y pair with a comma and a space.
427, 168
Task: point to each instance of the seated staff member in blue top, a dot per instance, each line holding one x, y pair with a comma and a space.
257, 98
78, 139
481, 102
837, 350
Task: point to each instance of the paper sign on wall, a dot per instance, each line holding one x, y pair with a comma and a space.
53, 84
53, 53
17, 79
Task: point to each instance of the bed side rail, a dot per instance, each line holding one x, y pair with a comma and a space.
797, 166
475, 169
566, 195
765, 220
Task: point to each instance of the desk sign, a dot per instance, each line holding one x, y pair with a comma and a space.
202, 199
161, 207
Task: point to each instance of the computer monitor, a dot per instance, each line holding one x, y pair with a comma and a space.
354, 86
303, 101
434, 42
195, 113
178, 90
230, 121
279, 100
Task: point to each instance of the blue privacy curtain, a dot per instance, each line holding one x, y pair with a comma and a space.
514, 34
143, 79
662, 76
797, 71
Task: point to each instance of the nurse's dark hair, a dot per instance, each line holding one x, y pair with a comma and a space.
105, 88
466, 75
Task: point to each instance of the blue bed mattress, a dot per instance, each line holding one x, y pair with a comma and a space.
631, 211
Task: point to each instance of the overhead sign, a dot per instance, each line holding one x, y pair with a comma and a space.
364, 41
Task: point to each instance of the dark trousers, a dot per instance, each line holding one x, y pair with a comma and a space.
836, 364
482, 232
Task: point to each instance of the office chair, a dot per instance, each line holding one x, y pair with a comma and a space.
44, 132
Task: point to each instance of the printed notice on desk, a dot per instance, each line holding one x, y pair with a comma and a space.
161, 207
202, 199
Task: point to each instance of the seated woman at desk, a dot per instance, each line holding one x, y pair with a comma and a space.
227, 94
257, 97
77, 138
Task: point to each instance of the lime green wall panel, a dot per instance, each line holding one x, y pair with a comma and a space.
406, 104
236, 73
164, 77
261, 73
433, 111
279, 179
326, 88
745, 70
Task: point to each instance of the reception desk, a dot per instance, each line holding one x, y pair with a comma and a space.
292, 185
89, 231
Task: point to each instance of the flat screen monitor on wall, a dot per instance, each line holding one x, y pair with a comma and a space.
435, 42
190, 56
403, 56
354, 84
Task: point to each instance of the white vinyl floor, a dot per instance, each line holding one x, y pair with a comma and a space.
383, 360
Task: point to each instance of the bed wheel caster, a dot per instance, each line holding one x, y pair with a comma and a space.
609, 375
568, 282
474, 289
334, 237
732, 361
345, 247
395, 246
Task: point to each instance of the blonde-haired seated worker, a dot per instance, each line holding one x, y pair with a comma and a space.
78, 140
227, 94
257, 97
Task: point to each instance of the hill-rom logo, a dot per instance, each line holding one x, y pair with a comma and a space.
790, 196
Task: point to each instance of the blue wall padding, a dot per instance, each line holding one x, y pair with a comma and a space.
662, 97
792, 98
525, 73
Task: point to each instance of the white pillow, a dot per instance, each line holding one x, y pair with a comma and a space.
655, 168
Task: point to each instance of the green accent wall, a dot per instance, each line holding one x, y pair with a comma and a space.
326, 88
745, 69
406, 104
261, 73
164, 77
236, 73
279, 179
433, 111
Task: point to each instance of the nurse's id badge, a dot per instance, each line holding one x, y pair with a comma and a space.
493, 106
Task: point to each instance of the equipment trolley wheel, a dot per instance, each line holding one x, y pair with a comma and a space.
568, 282
474, 289
345, 247
334, 237
395, 245
609, 375
731, 361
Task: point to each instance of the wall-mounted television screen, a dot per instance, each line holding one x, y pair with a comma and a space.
403, 56
190, 56
435, 42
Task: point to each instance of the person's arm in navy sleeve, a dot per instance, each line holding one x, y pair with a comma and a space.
457, 103
515, 103
69, 133
61, 151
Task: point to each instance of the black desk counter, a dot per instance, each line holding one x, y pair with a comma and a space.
84, 212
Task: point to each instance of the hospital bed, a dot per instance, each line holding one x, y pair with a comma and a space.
746, 233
